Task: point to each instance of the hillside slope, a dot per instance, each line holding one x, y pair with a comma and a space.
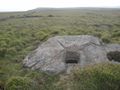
22, 32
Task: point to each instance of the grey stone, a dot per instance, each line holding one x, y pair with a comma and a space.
62, 53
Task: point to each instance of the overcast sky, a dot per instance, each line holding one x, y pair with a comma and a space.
22, 5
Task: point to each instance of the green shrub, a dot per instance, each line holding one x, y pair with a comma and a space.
20, 83
106, 40
1, 85
3, 52
50, 15
117, 34
55, 32
96, 77
41, 36
45, 81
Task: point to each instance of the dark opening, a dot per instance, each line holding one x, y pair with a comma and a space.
114, 56
72, 57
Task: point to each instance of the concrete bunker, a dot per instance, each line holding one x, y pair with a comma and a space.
72, 57
114, 55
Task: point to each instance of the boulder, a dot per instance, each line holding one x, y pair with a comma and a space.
63, 53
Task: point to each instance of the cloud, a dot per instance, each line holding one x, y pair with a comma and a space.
8, 5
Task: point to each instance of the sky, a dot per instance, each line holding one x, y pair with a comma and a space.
23, 5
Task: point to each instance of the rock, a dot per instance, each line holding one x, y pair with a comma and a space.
62, 53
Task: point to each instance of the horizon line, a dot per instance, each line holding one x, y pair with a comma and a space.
116, 7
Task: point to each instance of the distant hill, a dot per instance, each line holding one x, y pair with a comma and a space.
75, 8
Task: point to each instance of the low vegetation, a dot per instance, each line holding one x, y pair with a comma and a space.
20, 83
97, 77
22, 32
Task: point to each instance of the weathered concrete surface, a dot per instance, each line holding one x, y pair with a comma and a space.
61, 53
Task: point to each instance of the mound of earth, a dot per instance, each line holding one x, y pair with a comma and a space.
63, 53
